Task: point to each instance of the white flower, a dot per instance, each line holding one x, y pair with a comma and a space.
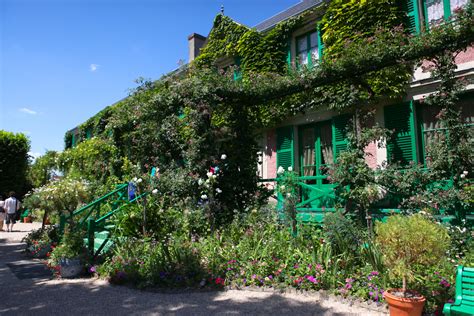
139, 180
209, 174
280, 170
288, 194
204, 197
465, 173
154, 191
223, 156
200, 181
290, 168
135, 179
463, 176
218, 190
214, 176
282, 187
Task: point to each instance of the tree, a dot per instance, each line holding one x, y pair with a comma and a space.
13, 162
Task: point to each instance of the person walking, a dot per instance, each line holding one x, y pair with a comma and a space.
2, 212
12, 205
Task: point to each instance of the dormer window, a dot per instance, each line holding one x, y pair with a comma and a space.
307, 49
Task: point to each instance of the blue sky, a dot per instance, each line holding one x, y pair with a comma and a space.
62, 61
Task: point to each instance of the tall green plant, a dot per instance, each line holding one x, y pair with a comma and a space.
408, 241
13, 163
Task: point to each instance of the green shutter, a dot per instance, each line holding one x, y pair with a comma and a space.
320, 44
339, 134
288, 55
237, 71
73, 140
285, 157
402, 146
413, 16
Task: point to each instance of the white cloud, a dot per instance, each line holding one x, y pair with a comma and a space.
28, 111
93, 67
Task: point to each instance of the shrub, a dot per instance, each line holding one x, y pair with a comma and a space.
407, 241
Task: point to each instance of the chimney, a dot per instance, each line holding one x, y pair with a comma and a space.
195, 42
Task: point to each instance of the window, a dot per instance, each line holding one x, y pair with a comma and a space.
437, 11
307, 49
431, 129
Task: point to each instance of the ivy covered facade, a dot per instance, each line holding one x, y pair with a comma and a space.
310, 139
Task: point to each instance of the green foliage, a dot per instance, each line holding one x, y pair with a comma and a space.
41, 241
407, 241
342, 233
58, 197
71, 247
43, 168
356, 185
288, 190
13, 163
257, 52
94, 160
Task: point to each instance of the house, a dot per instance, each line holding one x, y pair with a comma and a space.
310, 141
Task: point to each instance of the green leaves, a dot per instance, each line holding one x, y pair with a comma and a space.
407, 241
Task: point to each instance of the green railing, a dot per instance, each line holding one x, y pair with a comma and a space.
94, 225
108, 202
309, 211
93, 216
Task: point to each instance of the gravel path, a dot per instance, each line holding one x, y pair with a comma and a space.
33, 293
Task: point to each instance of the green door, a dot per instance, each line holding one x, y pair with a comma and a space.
316, 152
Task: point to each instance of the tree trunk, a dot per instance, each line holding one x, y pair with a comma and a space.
404, 286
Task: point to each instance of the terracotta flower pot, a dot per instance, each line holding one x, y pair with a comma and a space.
401, 306
27, 219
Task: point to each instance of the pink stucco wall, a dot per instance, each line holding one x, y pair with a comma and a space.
371, 157
467, 56
271, 154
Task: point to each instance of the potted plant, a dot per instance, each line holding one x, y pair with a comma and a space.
407, 241
68, 258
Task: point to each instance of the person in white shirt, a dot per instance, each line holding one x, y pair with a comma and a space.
2, 213
12, 205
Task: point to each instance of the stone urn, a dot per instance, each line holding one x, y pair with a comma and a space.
70, 268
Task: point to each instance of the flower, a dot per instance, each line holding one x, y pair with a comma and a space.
204, 197
218, 190
200, 181
280, 170
223, 156
209, 174
462, 176
154, 191
139, 180
465, 173
290, 168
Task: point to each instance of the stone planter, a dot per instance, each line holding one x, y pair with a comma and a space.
70, 268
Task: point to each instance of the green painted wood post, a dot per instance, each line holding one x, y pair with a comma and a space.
90, 235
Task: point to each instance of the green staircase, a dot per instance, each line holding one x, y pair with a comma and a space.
94, 218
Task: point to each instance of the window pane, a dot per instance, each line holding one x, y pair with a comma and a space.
327, 156
302, 45
314, 54
303, 58
456, 4
435, 9
313, 39
308, 152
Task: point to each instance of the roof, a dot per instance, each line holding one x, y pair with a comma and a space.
286, 14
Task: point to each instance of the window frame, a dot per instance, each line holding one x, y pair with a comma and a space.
310, 63
446, 12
